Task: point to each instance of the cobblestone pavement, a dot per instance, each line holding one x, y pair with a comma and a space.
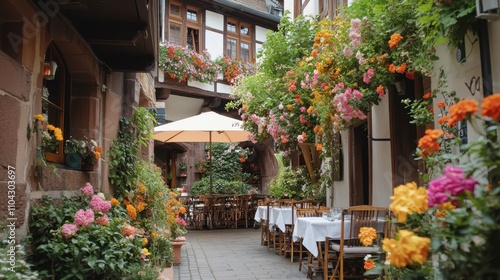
233, 254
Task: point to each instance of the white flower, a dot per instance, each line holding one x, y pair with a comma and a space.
478, 240
367, 257
101, 195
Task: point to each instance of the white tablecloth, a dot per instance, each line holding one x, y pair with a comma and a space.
277, 216
283, 217
316, 229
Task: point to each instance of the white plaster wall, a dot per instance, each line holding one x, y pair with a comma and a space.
494, 34
260, 33
214, 20
382, 173
381, 154
463, 78
223, 88
214, 43
204, 86
380, 119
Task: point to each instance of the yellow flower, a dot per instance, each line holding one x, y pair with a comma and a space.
408, 199
154, 235
144, 241
39, 117
141, 206
367, 235
145, 251
57, 133
50, 127
408, 249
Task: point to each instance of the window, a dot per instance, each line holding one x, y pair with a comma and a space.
184, 25
53, 93
239, 38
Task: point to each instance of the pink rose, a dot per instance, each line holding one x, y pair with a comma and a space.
452, 183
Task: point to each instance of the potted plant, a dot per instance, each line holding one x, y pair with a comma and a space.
72, 153
82, 154
201, 166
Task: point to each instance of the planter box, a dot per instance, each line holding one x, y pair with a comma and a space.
167, 273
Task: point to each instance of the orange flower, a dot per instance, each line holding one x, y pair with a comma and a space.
491, 106
401, 69
427, 95
154, 235
182, 209
369, 264
380, 90
98, 149
443, 120
289, 107
395, 39
144, 241
441, 104
392, 68
462, 110
115, 201
319, 147
97, 155
126, 202
140, 206
132, 213
310, 109
428, 143
434, 133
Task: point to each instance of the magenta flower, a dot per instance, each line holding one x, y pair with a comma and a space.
84, 218
452, 183
87, 189
69, 230
98, 204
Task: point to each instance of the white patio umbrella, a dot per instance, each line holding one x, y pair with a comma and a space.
206, 127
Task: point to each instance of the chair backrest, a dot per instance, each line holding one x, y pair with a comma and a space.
306, 212
306, 203
362, 216
285, 202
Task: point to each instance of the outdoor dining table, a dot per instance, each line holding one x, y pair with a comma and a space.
318, 229
279, 216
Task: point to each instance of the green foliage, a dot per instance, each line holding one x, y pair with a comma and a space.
143, 272
284, 48
442, 20
94, 252
162, 253
124, 153
291, 183
14, 269
228, 176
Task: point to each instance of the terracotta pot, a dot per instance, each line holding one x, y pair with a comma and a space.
177, 244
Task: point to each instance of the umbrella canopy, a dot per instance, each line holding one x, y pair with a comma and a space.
206, 127
200, 128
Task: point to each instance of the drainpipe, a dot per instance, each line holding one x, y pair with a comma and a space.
484, 49
162, 18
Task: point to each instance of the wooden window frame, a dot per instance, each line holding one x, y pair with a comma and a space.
240, 38
54, 55
186, 24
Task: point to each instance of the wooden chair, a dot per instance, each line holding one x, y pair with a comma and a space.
349, 246
303, 212
240, 210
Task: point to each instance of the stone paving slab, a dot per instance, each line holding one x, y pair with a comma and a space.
233, 254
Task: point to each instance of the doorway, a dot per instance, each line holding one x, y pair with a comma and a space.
359, 186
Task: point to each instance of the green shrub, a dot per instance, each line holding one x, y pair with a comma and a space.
94, 251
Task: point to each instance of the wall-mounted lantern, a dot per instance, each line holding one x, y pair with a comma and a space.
488, 9
49, 70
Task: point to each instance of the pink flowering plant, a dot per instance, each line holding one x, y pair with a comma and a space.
184, 64
84, 237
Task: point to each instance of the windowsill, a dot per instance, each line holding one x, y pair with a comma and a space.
55, 177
